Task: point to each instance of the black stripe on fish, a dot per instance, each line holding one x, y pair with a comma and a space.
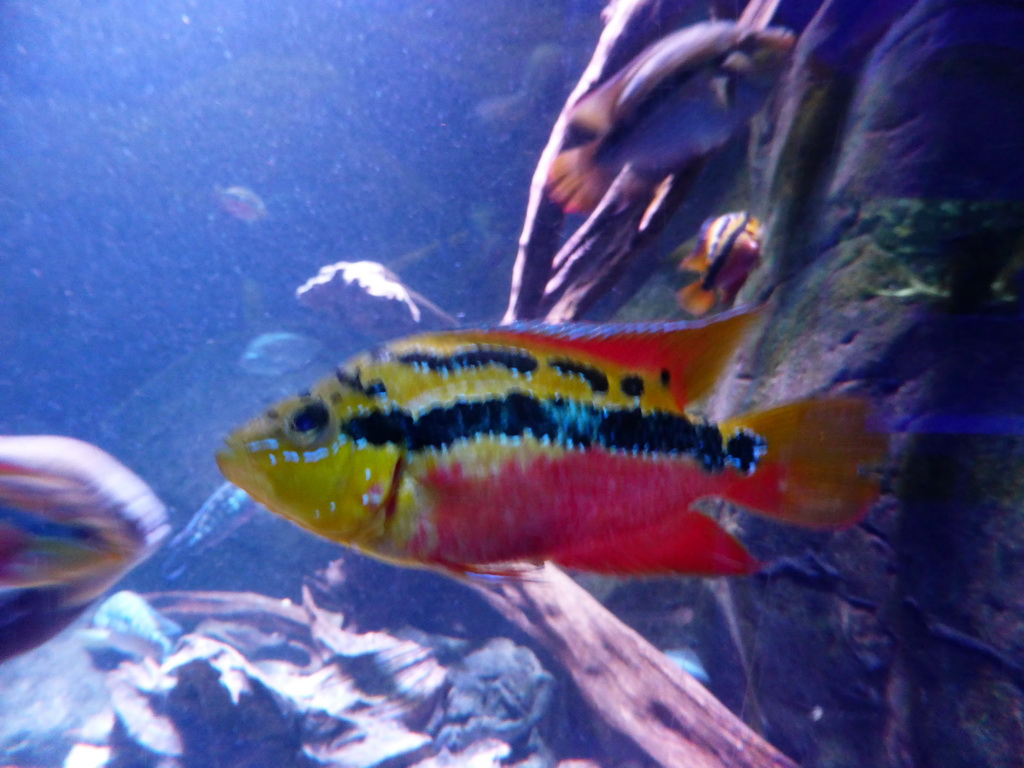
380, 427
354, 381
720, 252
632, 386
350, 380
593, 376
568, 423
513, 359
376, 388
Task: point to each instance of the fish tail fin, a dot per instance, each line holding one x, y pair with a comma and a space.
812, 471
695, 299
576, 182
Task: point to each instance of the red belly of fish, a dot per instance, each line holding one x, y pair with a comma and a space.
597, 510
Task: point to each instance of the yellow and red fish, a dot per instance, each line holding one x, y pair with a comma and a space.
470, 450
728, 248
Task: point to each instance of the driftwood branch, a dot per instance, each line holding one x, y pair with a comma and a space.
630, 684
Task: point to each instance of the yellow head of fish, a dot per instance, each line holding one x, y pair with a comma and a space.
306, 459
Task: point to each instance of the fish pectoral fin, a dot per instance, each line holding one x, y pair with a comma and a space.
686, 542
695, 300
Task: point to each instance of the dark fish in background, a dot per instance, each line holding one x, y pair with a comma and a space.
678, 100
225, 511
727, 250
73, 521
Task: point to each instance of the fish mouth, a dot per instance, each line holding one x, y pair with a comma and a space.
230, 460
238, 469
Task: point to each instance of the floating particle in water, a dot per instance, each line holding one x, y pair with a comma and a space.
279, 352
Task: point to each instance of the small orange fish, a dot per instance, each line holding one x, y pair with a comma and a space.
470, 450
728, 248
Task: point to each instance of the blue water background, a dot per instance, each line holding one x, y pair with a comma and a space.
352, 120
127, 294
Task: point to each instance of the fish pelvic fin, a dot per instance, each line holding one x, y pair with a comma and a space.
813, 472
511, 572
688, 542
576, 182
695, 300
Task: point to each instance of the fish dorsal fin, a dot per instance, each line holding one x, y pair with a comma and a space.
692, 353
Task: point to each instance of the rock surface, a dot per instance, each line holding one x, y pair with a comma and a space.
895, 212
259, 681
500, 691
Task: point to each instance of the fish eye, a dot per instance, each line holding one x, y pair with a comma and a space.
310, 420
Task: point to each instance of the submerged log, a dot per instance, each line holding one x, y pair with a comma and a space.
631, 685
